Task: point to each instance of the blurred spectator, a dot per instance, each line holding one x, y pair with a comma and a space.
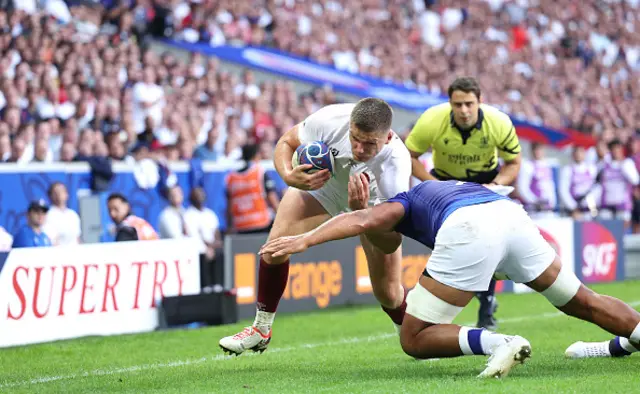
17, 150
115, 146
5, 148
248, 86
203, 225
148, 101
252, 196
41, 152
62, 224
32, 234
617, 177
171, 222
576, 185
634, 155
68, 152
128, 226
598, 153
6, 240
536, 185
208, 150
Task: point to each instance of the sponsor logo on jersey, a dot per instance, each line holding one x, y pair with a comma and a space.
462, 159
484, 141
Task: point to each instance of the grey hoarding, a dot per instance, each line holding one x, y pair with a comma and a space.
327, 275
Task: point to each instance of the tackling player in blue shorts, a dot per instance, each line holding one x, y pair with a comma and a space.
474, 233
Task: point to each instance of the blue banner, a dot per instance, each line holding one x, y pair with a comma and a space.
22, 185
293, 67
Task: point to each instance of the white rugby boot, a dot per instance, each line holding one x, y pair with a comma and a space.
506, 356
250, 338
588, 350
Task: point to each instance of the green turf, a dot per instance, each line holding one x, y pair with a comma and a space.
344, 350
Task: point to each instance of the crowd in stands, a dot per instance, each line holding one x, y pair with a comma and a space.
84, 85
561, 63
78, 80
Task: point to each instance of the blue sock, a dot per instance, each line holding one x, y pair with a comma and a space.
478, 341
620, 347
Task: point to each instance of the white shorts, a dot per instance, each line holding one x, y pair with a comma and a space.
477, 241
334, 197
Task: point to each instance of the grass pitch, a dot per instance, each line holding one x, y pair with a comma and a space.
345, 350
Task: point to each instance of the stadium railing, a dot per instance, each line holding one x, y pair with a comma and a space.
24, 183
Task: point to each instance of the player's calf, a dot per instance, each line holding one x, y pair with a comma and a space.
607, 312
385, 271
565, 291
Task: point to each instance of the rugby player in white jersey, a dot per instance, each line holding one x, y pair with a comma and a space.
362, 142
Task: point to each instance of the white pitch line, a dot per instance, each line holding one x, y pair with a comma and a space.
221, 357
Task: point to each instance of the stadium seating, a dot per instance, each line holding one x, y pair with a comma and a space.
78, 80
94, 90
548, 61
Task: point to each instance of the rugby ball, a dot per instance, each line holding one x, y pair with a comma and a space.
317, 154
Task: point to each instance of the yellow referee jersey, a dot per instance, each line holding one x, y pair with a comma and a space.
465, 155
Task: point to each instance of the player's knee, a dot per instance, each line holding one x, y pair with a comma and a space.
409, 346
563, 289
388, 294
420, 348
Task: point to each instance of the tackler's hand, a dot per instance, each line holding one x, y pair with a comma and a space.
285, 245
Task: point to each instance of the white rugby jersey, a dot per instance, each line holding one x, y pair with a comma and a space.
389, 171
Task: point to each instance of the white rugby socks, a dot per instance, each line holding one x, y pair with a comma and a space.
264, 321
479, 341
635, 335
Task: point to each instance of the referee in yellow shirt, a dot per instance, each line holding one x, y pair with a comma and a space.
466, 139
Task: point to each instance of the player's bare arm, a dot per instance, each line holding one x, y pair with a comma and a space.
358, 192
379, 219
509, 172
296, 177
417, 168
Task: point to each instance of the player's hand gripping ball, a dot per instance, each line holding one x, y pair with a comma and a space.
315, 153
